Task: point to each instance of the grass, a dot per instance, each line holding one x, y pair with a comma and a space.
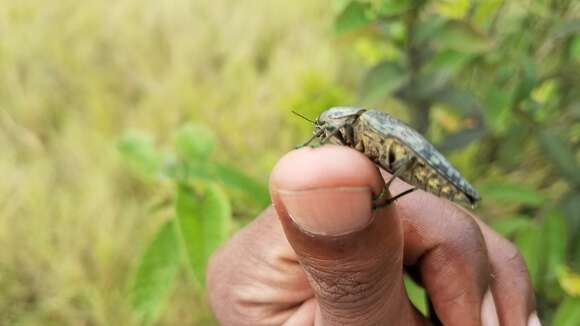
74, 76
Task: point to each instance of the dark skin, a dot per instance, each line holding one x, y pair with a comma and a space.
322, 256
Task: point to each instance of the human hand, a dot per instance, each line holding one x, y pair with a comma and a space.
322, 256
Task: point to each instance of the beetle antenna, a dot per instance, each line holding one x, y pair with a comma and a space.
303, 117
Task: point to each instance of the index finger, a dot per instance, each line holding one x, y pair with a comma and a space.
460, 259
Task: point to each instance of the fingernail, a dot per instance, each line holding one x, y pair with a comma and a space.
488, 311
534, 320
329, 211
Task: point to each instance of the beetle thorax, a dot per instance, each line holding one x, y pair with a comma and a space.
331, 122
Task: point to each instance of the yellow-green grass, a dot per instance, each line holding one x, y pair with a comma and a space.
74, 75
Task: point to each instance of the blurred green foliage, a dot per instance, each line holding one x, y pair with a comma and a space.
87, 85
501, 77
202, 217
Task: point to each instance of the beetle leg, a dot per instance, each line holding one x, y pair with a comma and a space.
402, 166
379, 202
379, 198
391, 200
349, 135
330, 135
316, 135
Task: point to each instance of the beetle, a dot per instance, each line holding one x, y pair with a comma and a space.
397, 148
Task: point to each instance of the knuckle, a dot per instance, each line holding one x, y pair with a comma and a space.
348, 291
472, 230
467, 235
510, 273
463, 245
513, 259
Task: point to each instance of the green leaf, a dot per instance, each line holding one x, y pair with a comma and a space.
382, 80
575, 48
511, 225
485, 10
426, 86
339, 5
236, 179
200, 170
462, 37
153, 279
528, 242
453, 8
426, 30
194, 142
510, 153
452, 60
354, 16
560, 154
417, 295
498, 108
569, 281
566, 28
463, 102
195, 170
555, 242
512, 193
389, 8
461, 139
528, 80
568, 313
204, 221
570, 206
137, 150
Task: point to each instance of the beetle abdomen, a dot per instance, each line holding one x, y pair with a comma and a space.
385, 150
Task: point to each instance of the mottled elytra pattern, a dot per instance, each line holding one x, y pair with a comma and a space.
388, 141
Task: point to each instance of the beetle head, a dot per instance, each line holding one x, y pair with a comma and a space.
336, 118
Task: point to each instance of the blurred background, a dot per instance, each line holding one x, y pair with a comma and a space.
136, 136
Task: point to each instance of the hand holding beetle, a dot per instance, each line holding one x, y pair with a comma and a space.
322, 256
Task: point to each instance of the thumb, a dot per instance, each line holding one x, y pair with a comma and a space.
352, 254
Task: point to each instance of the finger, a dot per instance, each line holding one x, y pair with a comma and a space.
446, 247
510, 281
352, 255
509, 298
